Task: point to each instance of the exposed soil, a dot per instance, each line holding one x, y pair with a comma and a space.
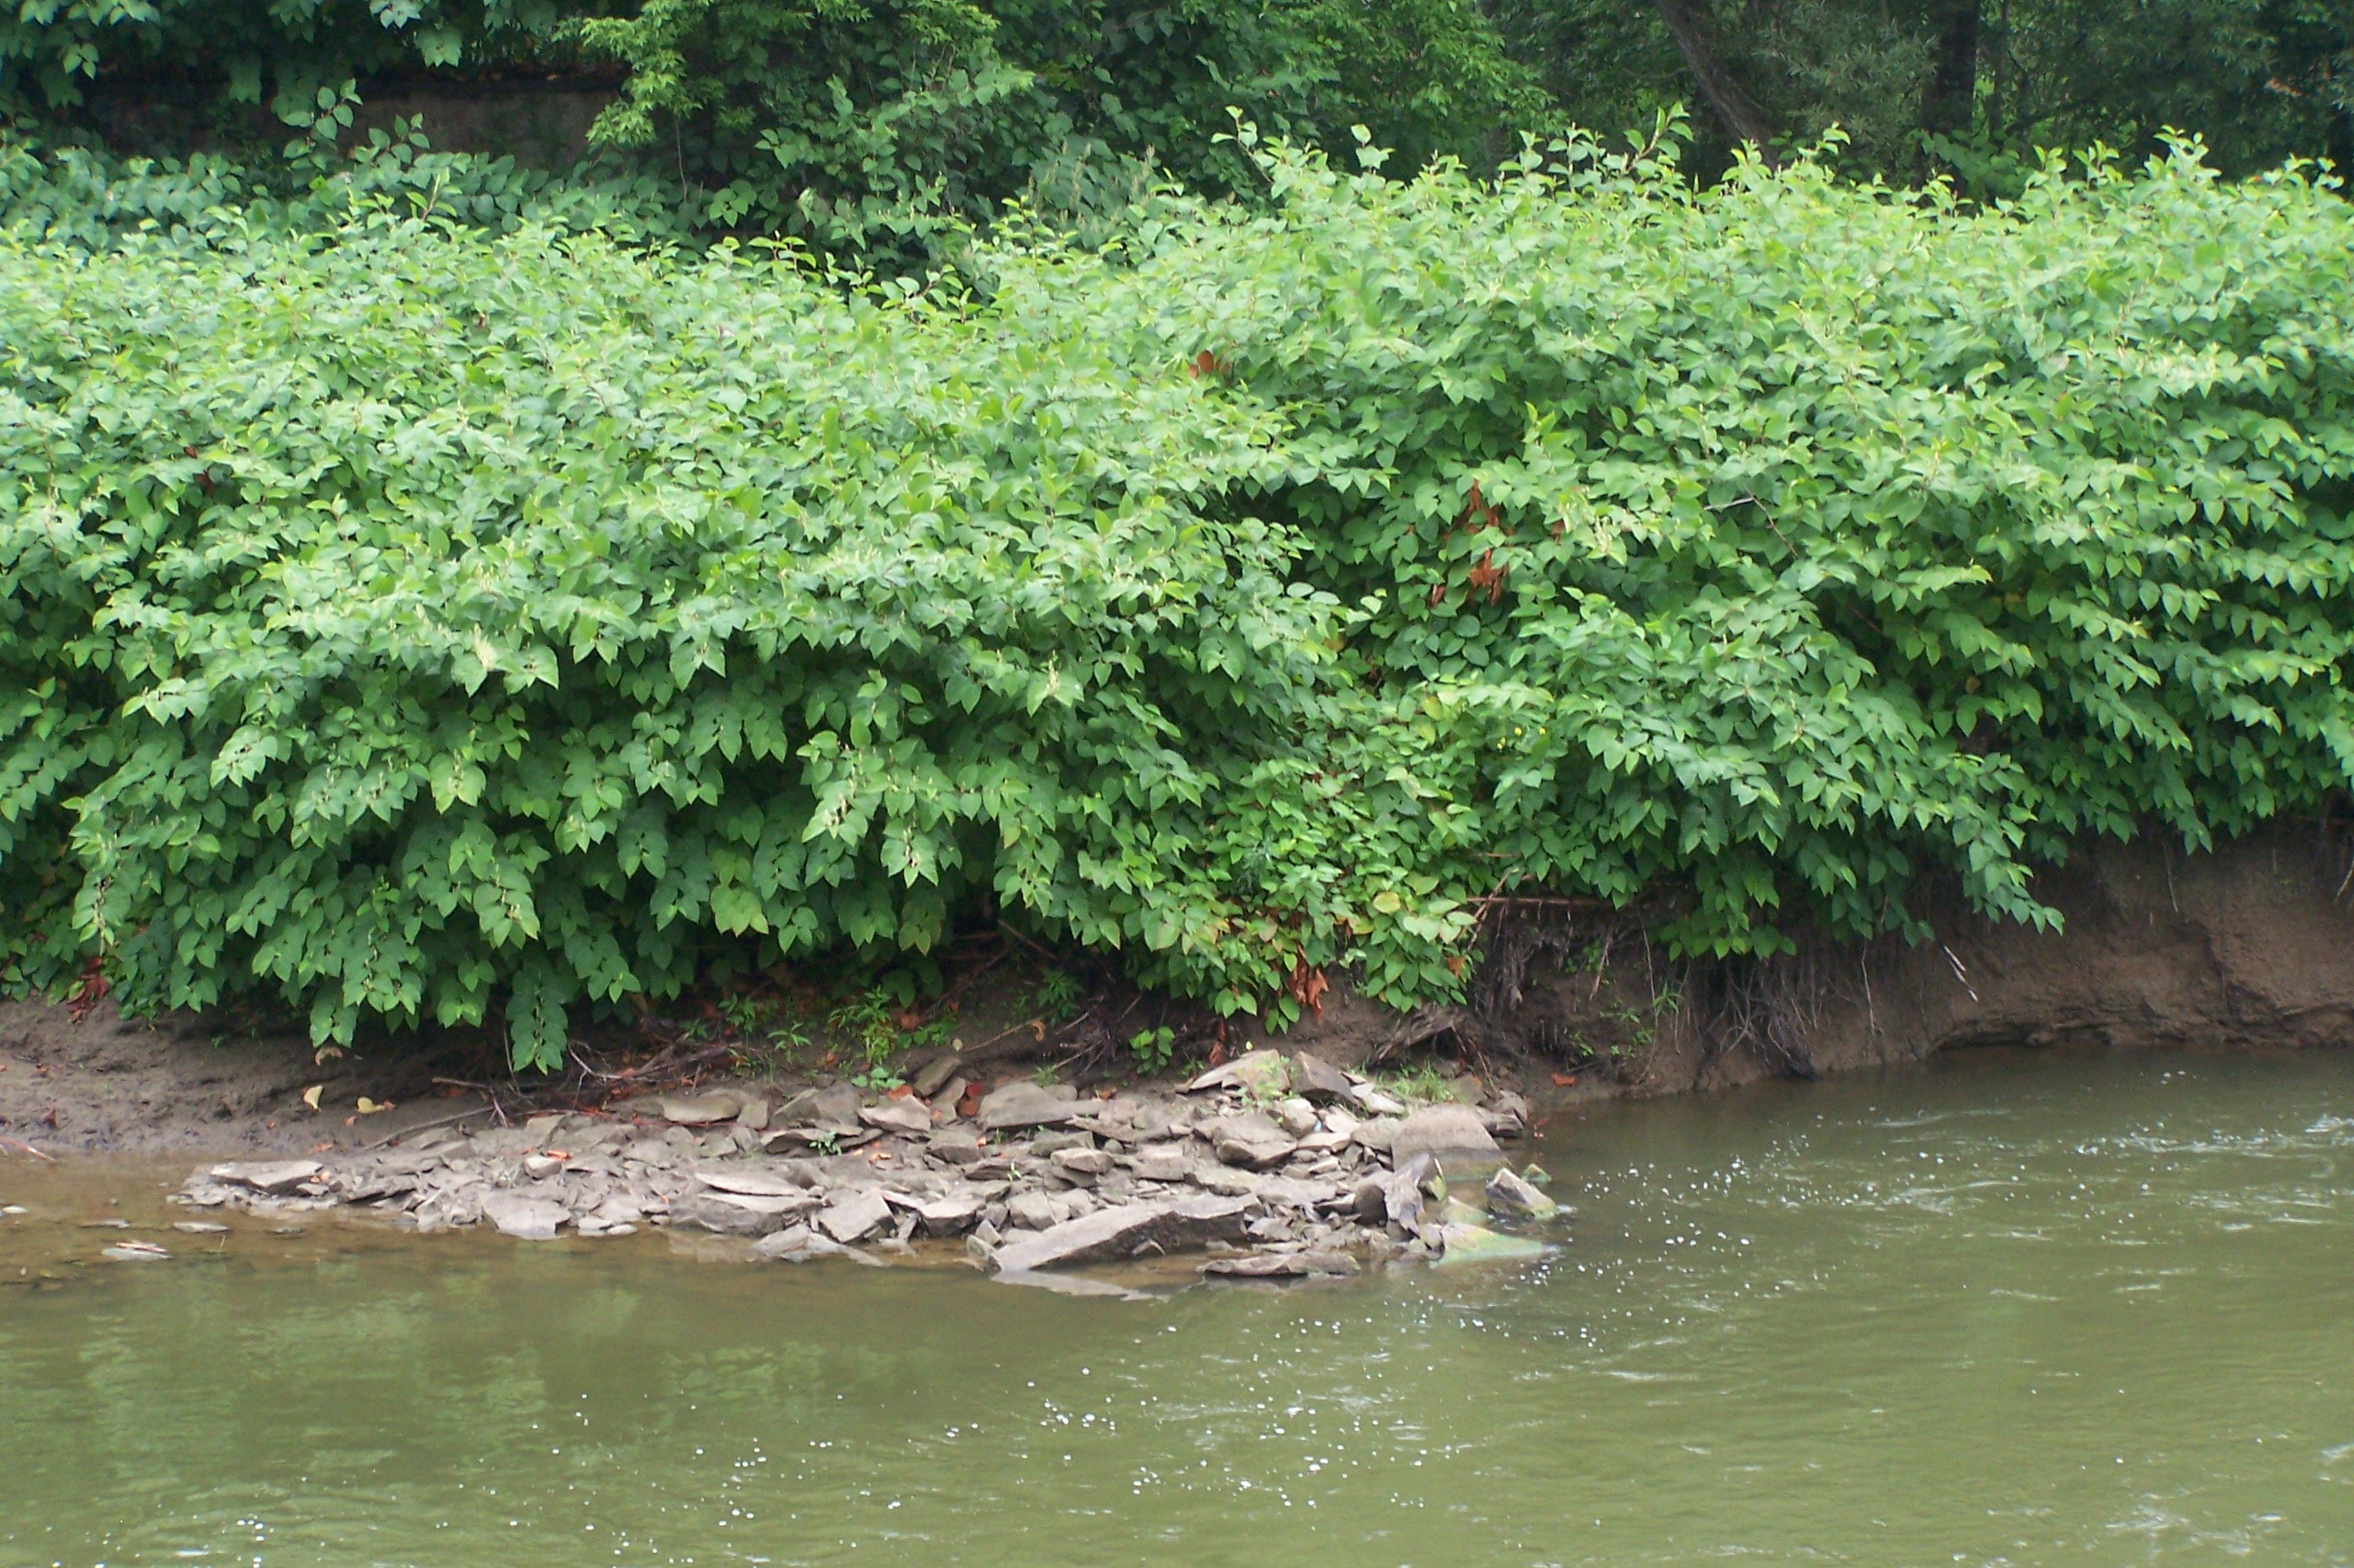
2252, 945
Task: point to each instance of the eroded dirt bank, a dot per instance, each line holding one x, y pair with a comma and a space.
2252, 945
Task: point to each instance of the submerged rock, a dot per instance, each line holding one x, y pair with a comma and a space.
1477, 1244
1509, 1194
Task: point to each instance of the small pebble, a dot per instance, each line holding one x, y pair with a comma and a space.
200, 1227
13, 1210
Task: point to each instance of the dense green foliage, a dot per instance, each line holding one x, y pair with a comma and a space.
883, 133
426, 622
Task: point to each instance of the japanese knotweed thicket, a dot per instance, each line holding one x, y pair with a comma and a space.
427, 624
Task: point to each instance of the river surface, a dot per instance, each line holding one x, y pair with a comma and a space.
2009, 1309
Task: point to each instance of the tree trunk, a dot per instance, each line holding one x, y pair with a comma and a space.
1692, 26
1952, 90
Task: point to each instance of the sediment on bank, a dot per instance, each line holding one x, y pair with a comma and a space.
1297, 1154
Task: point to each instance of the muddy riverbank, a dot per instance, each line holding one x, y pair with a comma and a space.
996, 1147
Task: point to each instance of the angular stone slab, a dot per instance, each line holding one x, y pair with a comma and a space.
1024, 1104
1452, 1134
908, 1116
1508, 1194
753, 1182
701, 1110
1250, 1141
950, 1214
1315, 1079
740, 1213
267, 1175
1264, 1075
856, 1217
1124, 1231
525, 1218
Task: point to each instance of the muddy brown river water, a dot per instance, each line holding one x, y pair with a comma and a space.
2009, 1309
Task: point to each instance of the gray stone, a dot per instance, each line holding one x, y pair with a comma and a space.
1226, 1179
1508, 1194
1162, 1162
784, 1243
1030, 1211
267, 1176
531, 1219
1250, 1141
834, 1106
934, 1074
1130, 1230
539, 1167
135, 1251
1081, 1162
1451, 1134
856, 1217
956, 1146
753, 1180
754, 1117
1320, 1081
741, 1214
1375, 1102
1262, 1074
1054, 1142
906, 1115
541, 1129
193, 1227
948, 1214
1024, 1104
702, 1110
1376, 1133
1297, 1117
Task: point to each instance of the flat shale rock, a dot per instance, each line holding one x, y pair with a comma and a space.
1025, 1104
753, 1181
1250, 1141
1314, 1079
701, 1110
267, 1176
527, 1218
956, 1146
1128, 1230
908, 1116
1263, 1074
1452, 1134
857, 1216
833, 1107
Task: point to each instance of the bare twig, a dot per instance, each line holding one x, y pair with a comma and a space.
20, 1143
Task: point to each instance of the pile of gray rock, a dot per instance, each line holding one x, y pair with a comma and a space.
1277, 1166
